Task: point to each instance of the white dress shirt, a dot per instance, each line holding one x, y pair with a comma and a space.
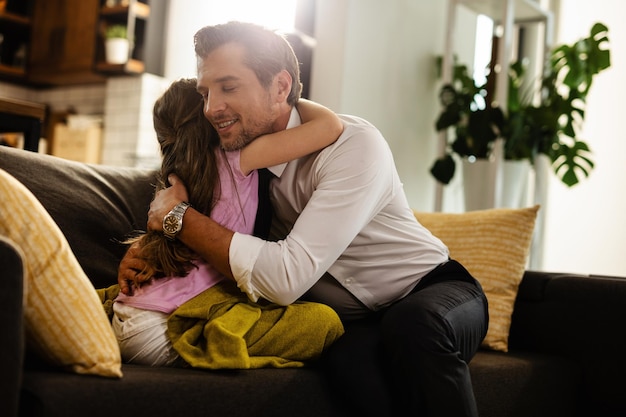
341, 210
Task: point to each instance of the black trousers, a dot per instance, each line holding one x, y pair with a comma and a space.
412, 358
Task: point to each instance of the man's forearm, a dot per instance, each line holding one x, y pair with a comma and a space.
208, 239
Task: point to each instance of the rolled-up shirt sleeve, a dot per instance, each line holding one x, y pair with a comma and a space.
243, 252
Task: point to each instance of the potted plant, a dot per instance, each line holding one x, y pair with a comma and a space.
551, 126
476, 124
117, 45
471, 127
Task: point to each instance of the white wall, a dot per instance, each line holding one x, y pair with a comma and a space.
586, 225
376, 60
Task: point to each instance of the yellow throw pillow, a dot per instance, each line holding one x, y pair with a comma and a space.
64, 319
493, 245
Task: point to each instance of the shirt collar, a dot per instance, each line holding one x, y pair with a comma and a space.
294, 120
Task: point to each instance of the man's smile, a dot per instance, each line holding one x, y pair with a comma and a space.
224, 125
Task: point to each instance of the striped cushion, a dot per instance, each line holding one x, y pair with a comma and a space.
494, 246
64, 319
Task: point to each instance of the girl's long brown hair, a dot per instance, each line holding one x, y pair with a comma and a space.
188, 145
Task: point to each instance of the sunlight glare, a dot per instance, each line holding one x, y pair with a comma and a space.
274, 14
192, 15
482, 57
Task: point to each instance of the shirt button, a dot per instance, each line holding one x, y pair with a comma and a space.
348, 282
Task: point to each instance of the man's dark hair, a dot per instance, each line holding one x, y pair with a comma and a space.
267, 52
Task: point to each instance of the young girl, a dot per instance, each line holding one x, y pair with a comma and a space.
221, 184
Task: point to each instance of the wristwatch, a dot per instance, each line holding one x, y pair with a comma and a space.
173, 221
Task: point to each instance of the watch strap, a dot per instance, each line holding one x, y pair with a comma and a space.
176, 214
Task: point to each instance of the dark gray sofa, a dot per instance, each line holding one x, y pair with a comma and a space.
567, 345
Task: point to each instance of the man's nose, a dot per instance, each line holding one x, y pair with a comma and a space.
213, 105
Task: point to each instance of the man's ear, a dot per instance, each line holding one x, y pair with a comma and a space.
283, 83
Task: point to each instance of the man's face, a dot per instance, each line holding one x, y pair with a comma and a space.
235, 102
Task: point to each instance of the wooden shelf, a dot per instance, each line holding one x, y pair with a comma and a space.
141, 10
133, 66
12, 71
13, 18
134, 16
23, 108
37, 24
15, 28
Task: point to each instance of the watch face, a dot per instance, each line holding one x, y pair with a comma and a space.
171, 224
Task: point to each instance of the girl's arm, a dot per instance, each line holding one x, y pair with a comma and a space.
320, 127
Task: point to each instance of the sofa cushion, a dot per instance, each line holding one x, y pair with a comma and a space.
158, 391
579, 317
522, 384
95, 206
63, 317
493, 245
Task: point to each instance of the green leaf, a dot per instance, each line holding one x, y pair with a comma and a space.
443, 169
570, 162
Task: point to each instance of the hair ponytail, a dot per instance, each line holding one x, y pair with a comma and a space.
188, 144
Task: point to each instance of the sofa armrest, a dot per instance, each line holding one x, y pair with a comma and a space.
12, 347
580, 317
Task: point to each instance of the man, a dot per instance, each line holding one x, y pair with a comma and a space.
344, 235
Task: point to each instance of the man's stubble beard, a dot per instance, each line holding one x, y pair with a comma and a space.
239, 143
247, 136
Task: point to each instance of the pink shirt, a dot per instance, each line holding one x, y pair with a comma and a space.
235, 210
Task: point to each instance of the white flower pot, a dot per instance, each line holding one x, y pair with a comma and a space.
117, 50
515, 175
479, 184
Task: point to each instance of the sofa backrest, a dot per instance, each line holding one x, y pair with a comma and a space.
95, 206
579, 317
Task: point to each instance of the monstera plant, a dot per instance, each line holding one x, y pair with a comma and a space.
551, 127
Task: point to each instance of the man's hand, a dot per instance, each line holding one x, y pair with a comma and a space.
164, 201
129, 272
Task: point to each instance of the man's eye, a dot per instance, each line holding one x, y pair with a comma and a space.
228, 89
